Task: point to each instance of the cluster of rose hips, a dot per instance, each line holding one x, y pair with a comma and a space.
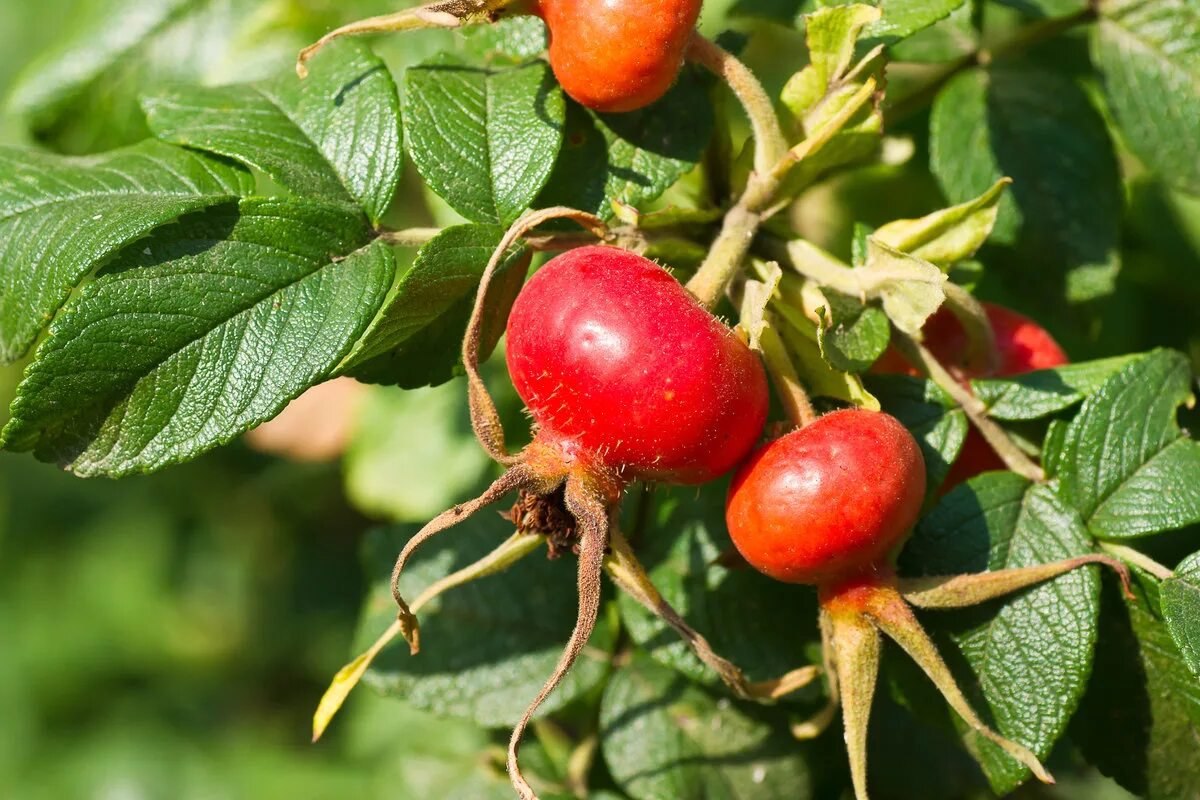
629, 378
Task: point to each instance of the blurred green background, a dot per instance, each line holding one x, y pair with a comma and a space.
169, 636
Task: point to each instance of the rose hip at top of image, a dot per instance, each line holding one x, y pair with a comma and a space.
618, 55
613, 356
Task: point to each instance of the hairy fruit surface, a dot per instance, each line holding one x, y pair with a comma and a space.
829, 500
618, 55
614, 358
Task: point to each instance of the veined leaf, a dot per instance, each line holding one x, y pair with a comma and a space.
199, 333
664, 737
333, 136
1032, 395
484, 140
62, 217
1032, 655
417, 339
1148, 53
1181, 610
1126, 465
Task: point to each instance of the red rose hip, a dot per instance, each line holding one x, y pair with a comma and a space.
617, 360
828, 500
618, 55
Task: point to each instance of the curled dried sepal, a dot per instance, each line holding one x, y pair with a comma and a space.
593, 518
875, 603
485, 419
518, 477
510, 552
627, 573
438, 14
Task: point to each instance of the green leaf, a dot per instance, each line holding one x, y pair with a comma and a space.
1140, 720
940, 427
633, 157
1031, 656
1148, 53
909, 287
1039, 128
948, 39
413, 454
417, 339
484, 140
1181, 610
82, 93
950, 235
857, 336
1126, 465
680, 543
62, 217
517, 38
488, 646
664, 737
903, 18
333, 136
199, 333
1032, 395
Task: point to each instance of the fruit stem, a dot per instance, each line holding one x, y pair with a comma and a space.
1014, 458
1138, 559
982, 356
439, 14
758, 202
787, 382
769, 142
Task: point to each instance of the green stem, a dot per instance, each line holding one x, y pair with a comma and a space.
1014, 458
769, 142
1138, 559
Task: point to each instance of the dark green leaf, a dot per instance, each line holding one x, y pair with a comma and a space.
1148, 52
1032, 656
1181, 610
666, 738
484, 140
82, 94
928, 412
632, 157
517, 38
858, 336
946, 40
333, 136
195, 335
1140, 720
1126, 465
61, 217
784, 12
1038, 127
734, 607
1047, 391
486, 647
417, 339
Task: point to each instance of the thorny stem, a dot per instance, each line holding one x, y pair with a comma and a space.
1139, 560
439, 14
485, 418
976, 411
787, 383
742, 222
510, 552
593, 519
769, 142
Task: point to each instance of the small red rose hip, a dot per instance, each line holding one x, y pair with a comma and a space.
618, 55
617, 361
828, 501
